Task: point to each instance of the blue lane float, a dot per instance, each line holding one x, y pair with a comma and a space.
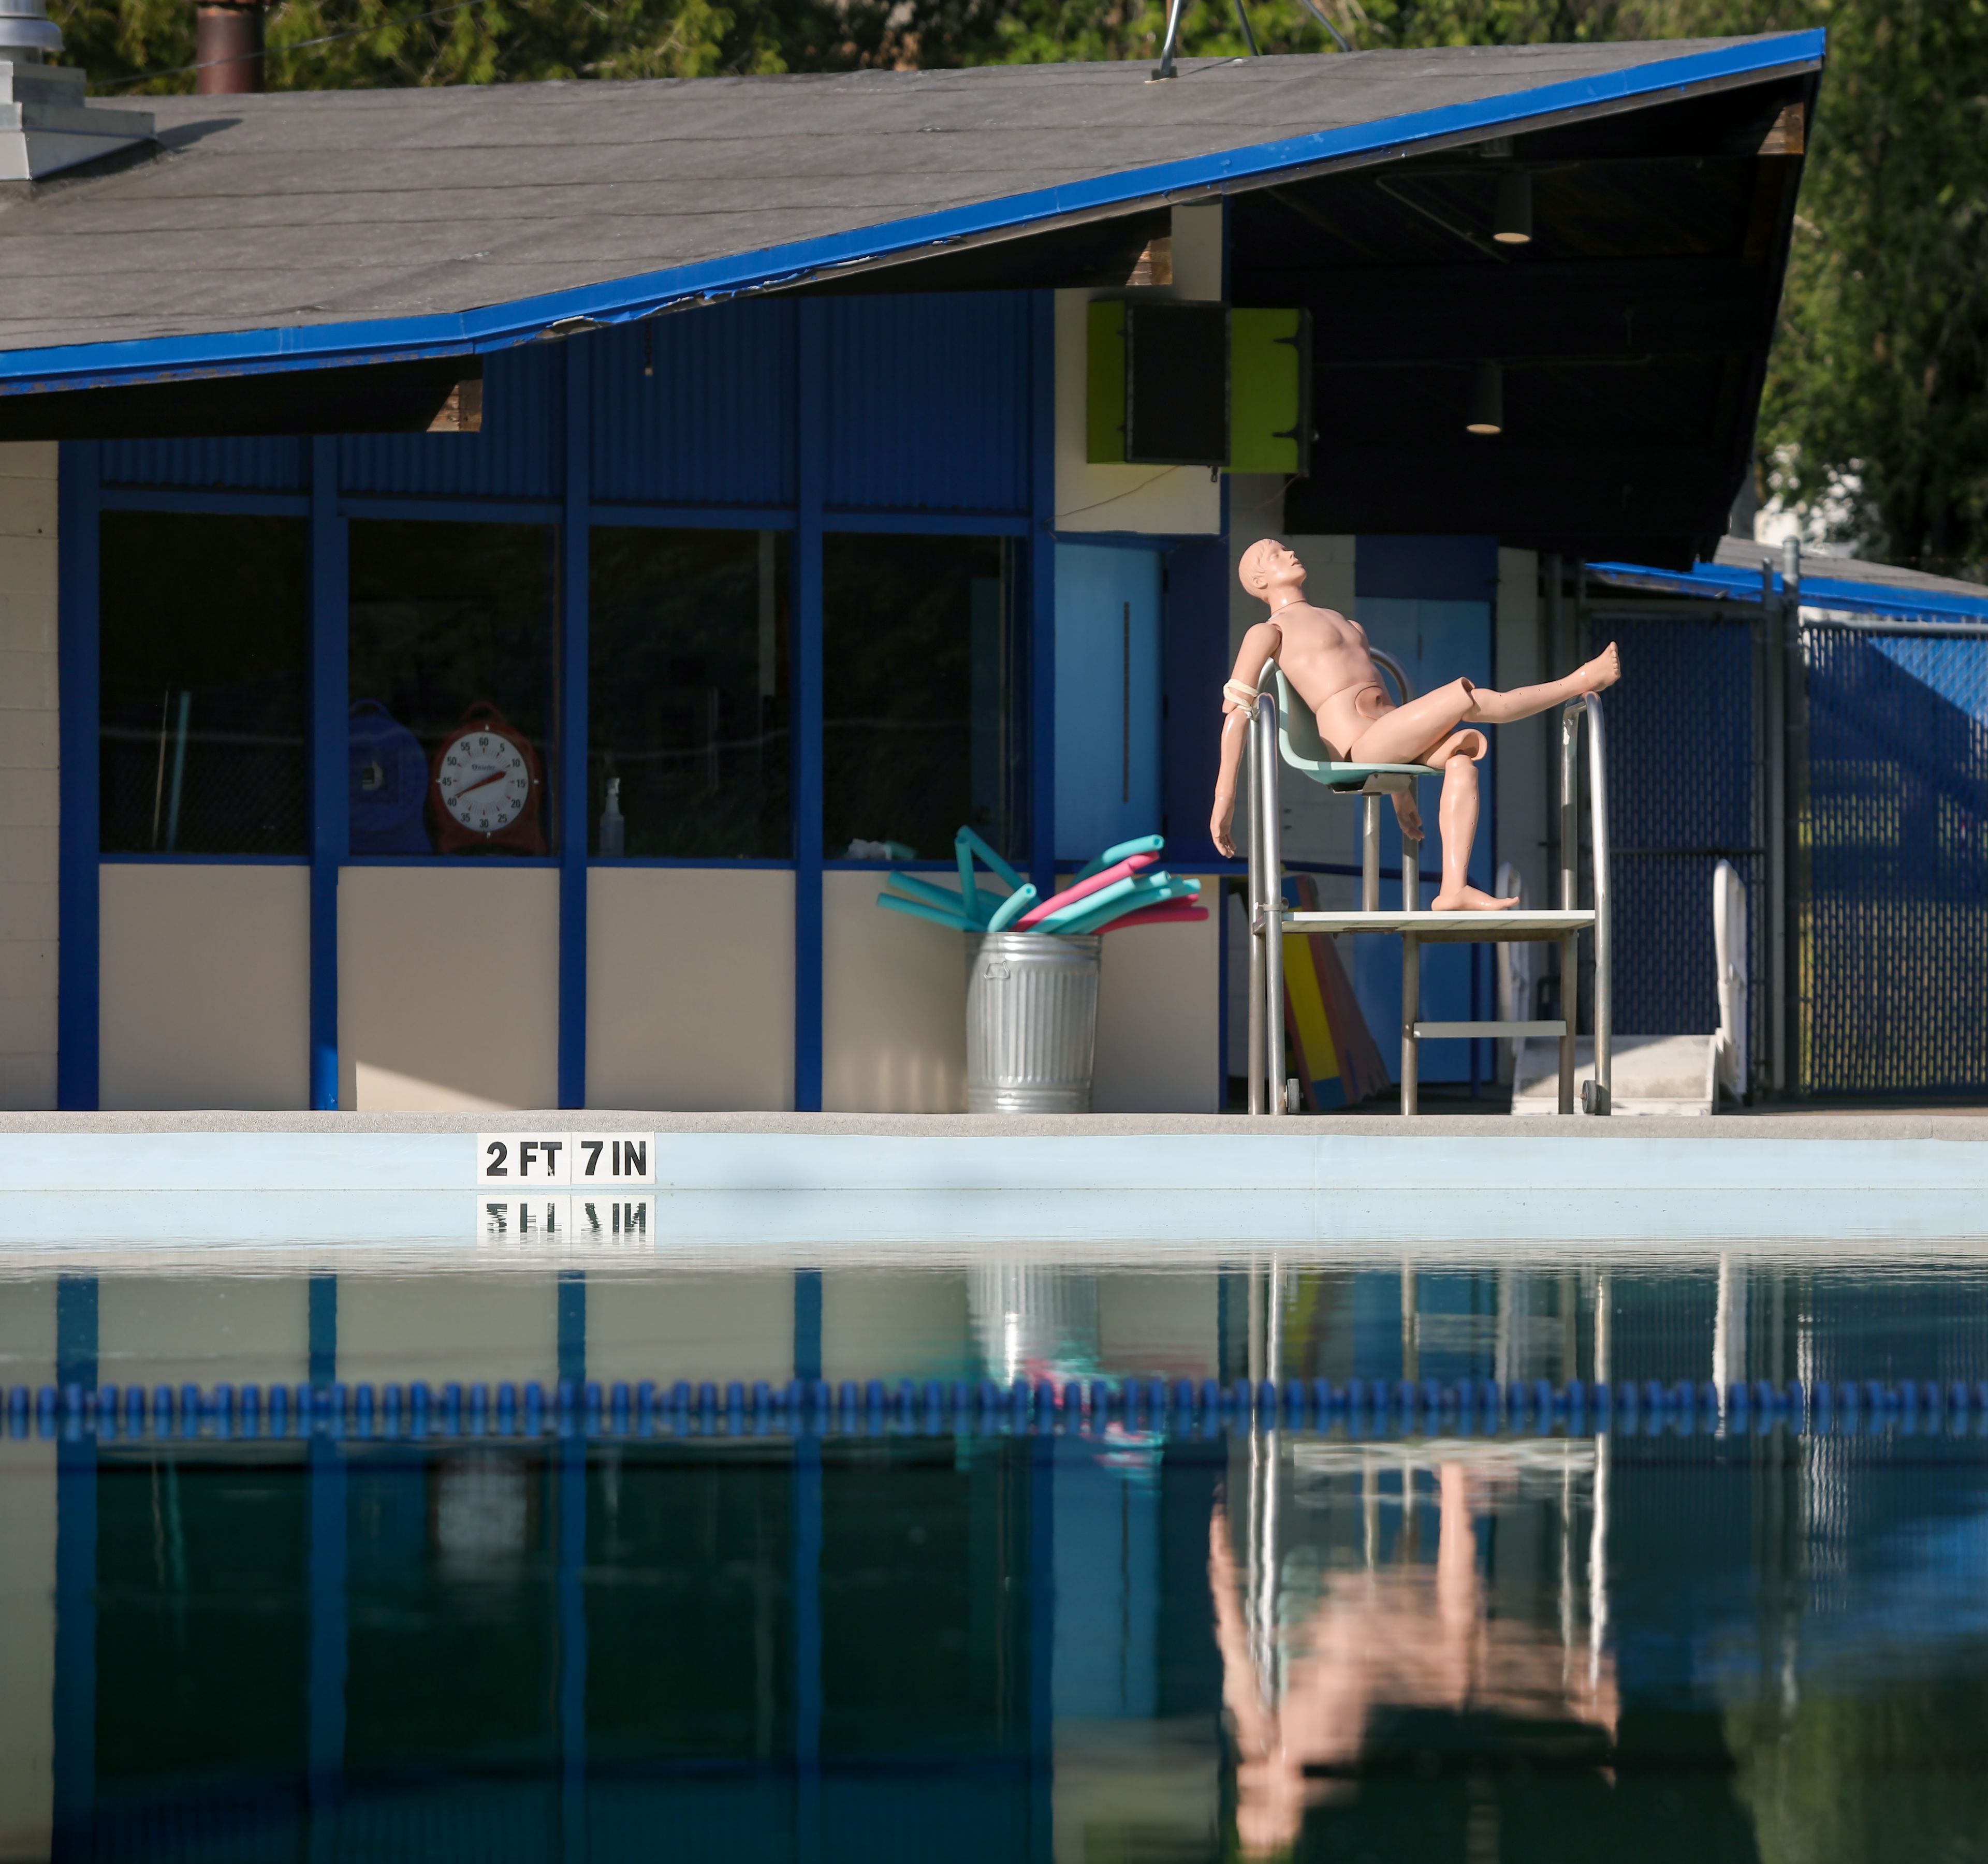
1098, 1407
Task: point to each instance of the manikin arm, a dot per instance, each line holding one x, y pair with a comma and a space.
1260, 647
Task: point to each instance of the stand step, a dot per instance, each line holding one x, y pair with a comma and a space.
1427, 1031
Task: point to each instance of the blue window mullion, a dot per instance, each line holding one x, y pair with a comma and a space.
810, 475
330, 678
1041, 659
571, 748
79, 698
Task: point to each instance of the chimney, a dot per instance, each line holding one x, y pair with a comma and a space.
46, 125
228, 47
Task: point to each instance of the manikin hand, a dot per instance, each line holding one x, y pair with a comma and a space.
1220, 825
1408, 812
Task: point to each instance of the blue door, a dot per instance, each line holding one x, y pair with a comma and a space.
1107, 696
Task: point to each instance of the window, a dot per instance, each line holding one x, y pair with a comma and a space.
451, 673
687, 708
918, 672
201, 746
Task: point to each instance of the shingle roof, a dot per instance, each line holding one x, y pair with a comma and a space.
346, 225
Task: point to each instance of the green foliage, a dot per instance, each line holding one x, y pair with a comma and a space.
1875, 421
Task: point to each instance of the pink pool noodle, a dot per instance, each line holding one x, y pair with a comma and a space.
1177, 912
1132, 864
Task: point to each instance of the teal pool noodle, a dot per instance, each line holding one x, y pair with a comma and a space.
923, 890
1012, 907
966, 839
1061, 920
918, 910
1139, 844
968, 892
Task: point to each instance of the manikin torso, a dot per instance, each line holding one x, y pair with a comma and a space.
1324, 656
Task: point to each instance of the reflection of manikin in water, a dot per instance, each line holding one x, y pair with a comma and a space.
1406, 1638
1324, 656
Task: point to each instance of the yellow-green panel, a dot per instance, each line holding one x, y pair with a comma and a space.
1104, 382
1270, 387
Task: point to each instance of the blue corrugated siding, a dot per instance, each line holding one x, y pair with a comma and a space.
712, 424
236, 465
514, 456
928, 402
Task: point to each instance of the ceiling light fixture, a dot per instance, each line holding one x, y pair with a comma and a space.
1487, 399
1512, 219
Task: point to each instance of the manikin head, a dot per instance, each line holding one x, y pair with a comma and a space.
1271, 573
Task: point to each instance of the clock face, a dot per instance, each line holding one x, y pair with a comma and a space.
484, 781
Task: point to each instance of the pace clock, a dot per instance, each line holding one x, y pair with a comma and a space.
487, 786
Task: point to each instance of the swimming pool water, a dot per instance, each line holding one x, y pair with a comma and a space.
1362, 1623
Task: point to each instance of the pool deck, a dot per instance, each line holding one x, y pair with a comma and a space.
1147, 1185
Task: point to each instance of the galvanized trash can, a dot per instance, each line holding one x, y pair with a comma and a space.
1031, 1022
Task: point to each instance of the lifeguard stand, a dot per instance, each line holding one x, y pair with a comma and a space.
1283, 727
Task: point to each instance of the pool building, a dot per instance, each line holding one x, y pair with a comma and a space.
745, 469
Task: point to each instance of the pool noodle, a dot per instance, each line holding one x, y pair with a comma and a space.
1141, 891
1175, 913
968, 838
1083, 890
1148, 890
1061, 919
1139, 844
926, 893
1016, 902
917, 909
968, 893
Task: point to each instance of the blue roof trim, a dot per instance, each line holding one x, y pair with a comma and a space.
1722, 581
500, 326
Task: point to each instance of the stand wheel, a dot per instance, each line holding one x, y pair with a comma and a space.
1594, 1097
1291, 1100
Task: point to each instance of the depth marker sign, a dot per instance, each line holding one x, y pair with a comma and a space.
585, 1161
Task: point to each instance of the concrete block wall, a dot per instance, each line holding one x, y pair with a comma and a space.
29, 801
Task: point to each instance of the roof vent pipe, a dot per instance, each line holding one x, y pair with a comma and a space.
46, 124
226, 47
27, 34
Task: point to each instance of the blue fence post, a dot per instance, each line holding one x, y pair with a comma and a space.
329, 756
571, 1566
79, 698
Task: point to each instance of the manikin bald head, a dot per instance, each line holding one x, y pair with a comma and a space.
1266, 564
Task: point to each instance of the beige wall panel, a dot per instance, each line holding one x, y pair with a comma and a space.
692, 1327
447, 987
463, 1326
159, 1330
1170, 1324
1159, 1011
203, 987
28, 754
690, 989
891, 1327
28, 1333
894, 1005
27, 1649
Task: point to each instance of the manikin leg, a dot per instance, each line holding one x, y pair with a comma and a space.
1418, 732
1457, 815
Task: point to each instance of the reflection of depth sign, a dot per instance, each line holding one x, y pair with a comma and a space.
589, 1221
521, 1161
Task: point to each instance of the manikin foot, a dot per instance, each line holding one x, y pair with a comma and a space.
1600, 674
1471, 899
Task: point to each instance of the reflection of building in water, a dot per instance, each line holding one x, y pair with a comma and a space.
1322, 1640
